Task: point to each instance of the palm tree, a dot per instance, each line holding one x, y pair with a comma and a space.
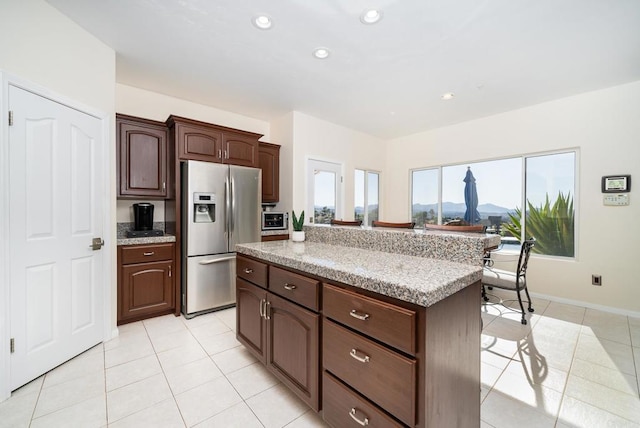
551, 225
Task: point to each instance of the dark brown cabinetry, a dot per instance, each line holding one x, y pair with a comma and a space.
206, 142
280, 332
269, 161
141, 147
283, 237
383, 375
146, 281
384, 362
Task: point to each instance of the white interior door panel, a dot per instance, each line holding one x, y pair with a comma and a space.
55, 210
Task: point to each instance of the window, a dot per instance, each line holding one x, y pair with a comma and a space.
366, 196
324, 192
498, 188
424, 196
549, 211
542, 202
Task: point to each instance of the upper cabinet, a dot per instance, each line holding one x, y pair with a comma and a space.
269, 161
141, 151
203, 141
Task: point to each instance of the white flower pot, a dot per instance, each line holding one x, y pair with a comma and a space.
297, 236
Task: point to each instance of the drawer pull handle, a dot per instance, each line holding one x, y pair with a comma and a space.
150, 253
247, 270
289, 287
363, 422
354, 354
355, 314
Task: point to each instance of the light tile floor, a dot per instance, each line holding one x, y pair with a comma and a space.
569, 367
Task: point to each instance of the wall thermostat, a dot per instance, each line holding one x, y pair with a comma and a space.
616, 183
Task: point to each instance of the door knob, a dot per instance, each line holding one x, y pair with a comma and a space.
96, 244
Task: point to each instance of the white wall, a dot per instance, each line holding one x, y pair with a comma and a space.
42, 46
318, 139
604, 126
155, 106
282, 134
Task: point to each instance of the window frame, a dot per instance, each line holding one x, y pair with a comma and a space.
326, 166
365, 220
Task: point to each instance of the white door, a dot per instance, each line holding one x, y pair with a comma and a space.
324, 191
55, 210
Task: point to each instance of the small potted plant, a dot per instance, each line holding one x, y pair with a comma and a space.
298, 222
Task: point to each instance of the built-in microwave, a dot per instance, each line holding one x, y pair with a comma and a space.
275, 221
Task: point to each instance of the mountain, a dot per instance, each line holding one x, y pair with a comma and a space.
460, 207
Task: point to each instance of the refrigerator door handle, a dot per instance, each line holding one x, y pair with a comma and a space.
227, 208
218, 260
232, 211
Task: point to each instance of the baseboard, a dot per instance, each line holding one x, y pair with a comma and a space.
602, 308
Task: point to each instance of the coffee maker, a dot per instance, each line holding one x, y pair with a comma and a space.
143, 221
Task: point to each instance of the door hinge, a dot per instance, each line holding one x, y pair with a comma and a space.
12, 345
10, 117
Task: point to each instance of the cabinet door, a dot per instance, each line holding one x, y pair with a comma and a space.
142, 158
293, 351
269, 162
199, 143
240, 150
146, 289
251, 330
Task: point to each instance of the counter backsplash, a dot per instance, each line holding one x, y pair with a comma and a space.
460, 247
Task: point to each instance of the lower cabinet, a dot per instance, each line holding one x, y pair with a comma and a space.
146, 284
283, 335
342, 407
377, 361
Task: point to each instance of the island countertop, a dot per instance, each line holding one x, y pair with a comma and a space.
419, 280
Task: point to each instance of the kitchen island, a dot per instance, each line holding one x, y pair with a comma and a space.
364, 336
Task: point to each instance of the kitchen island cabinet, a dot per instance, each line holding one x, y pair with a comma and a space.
400, 342
283, 334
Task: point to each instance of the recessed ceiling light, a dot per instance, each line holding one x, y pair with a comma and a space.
262, 22
321, 53
447, 96
370, 16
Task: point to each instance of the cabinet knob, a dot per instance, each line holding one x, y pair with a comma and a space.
355, 314
289, 287
363, 422
247, 270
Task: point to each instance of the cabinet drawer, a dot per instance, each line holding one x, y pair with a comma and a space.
251, 270
388, 323
297, 288
147, 253
344, 408
384, 376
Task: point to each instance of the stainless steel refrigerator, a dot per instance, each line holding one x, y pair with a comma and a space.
220, 208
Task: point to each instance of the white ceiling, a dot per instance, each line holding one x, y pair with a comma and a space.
384, 79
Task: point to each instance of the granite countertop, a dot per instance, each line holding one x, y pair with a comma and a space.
419, 280
123, 240
274, 232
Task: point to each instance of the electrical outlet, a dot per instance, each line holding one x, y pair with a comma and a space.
596, 279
